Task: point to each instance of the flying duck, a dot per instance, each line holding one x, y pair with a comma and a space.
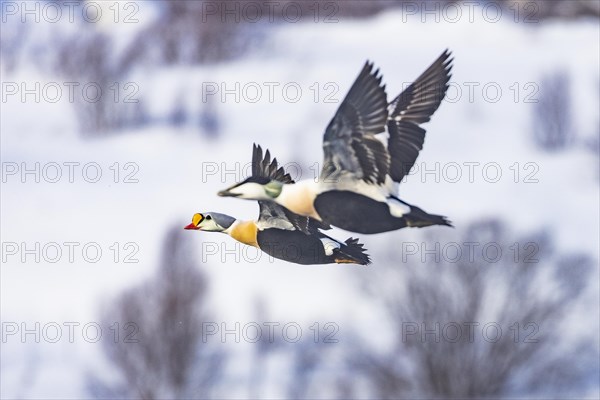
278, 231
369, 146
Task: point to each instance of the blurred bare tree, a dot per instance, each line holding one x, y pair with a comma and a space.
433, 307
469, 324
160, 354
552, 114
592, 143
309, 361
289, 367
199, 32
104, 100
12, 42
263, 350
187, 32
209, 120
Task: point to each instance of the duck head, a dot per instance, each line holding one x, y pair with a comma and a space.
254, 188
210, 222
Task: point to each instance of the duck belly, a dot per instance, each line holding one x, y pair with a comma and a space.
356, 213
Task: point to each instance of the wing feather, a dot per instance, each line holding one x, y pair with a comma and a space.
349, 143
264, 167
412, 107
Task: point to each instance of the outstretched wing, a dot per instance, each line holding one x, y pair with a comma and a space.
271, 214
412, 107
349, 144
264, 167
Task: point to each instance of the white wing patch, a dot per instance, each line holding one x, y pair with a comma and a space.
351, 184
329, 245
274, 222
397, 208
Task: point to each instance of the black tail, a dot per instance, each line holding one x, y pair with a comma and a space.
352, 253
418, 218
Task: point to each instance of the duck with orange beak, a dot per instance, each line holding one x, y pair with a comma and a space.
279, 232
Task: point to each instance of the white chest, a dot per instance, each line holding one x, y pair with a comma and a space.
299, 198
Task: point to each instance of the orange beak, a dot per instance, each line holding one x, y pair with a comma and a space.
192, 226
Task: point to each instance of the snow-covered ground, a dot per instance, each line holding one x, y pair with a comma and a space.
179, 172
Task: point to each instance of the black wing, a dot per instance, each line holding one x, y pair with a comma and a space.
412, 107
270, 213
264, 167
349, 143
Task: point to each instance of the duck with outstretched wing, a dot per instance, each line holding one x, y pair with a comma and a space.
369, 146
278, 231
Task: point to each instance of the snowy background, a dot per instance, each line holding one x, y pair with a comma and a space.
184, 97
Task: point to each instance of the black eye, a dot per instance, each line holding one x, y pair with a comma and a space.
208, 217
